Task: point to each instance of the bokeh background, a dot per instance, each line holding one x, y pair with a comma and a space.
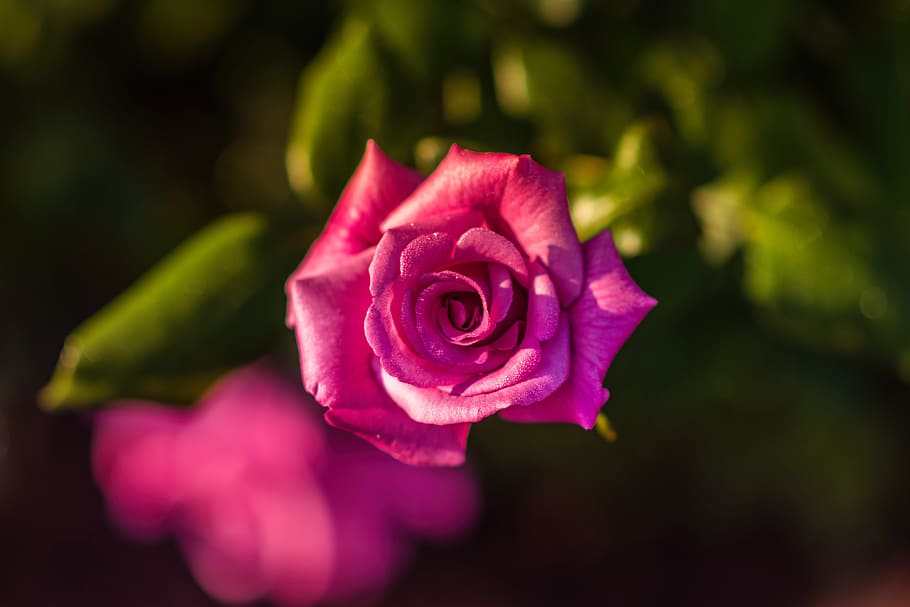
751, 158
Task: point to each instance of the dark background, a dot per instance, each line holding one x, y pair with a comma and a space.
762, 408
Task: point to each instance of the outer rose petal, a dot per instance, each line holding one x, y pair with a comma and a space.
520, 200
609, 309
376, 188
328, 311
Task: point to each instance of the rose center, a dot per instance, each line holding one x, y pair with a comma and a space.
464, 310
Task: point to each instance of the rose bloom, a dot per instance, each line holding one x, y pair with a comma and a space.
429, 304
267, 502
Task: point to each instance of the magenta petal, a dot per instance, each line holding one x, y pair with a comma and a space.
224, 549
386, 266
376, 188
403, 358
273, 436
255, 539
429, 302
509, 339
336, 367
512, 386
461, 362
297, 542
520, 200
501, 292
609, 309
481, 244
391, 430
543, 304
389, 327
134, 464
426, 253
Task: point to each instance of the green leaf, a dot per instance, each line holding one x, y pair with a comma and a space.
560, 91
686, 73
633, 180
428, 38
344, 100
216, 302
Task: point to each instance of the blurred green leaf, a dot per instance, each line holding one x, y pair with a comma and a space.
427, 37
750, 35
183, 32
555, 86
345, 99
686, 72
600, 193
720, 207
214, 303
20, 30
780, 132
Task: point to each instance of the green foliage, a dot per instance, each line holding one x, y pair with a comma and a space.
345, 99
429, 38
609, 192
552, 85
214, 303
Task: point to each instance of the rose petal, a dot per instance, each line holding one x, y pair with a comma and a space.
336, 367
510, 337
609, 309
429, 301
434, 406
274, 436
378, 185
386, 266
270, 539
481, 244
399, 347
519, 199
376, 188
133, 463
461, 362
426, 253
501, 292
224, 549
390, 326
543, 304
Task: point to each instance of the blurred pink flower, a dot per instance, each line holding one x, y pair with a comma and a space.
430, 304
267, 502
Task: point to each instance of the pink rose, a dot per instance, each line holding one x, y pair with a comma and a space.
265, 501
430, 304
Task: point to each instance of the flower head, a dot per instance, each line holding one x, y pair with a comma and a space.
430, 304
